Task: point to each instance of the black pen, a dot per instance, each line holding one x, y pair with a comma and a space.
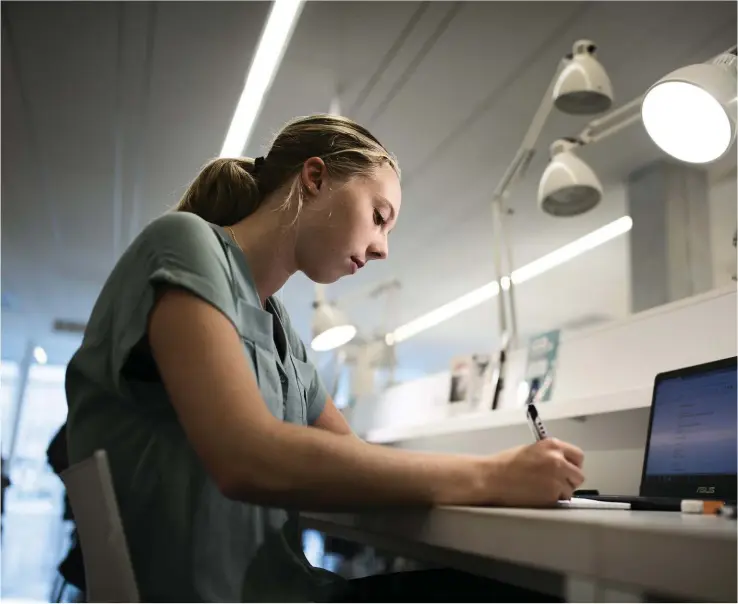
535, 422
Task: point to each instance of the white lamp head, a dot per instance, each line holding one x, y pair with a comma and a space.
331, 328
583, 86
568, 186
39, 355
691, 113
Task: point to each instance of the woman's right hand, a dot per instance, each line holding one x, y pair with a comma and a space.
534, 475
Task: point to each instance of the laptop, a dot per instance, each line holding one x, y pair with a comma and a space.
691, 443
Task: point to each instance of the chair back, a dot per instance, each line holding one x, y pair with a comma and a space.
109, 573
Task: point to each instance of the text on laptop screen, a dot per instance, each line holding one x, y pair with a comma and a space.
693, 430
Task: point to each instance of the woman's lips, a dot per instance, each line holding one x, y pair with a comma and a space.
356, 264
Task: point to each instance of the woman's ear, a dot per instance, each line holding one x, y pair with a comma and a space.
313, 175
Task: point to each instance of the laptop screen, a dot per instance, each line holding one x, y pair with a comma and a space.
693, 426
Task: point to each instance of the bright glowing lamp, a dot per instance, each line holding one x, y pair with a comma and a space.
691, 113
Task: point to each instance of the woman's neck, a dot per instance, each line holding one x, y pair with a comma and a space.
267, 239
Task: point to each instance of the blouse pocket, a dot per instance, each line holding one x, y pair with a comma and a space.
257, 336
305, 376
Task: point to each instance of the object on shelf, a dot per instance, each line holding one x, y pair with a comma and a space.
473, 381
497, 376
542, 353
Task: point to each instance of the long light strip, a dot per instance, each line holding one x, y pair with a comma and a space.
445, 312
524, 273
572, 250
272, 44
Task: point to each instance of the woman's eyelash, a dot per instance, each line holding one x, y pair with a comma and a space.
379, 219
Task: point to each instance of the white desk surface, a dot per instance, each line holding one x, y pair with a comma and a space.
686, 556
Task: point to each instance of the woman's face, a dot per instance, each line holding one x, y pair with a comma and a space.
344, 225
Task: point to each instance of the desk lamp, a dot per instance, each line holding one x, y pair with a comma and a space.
580, 86
691, 112
331, 328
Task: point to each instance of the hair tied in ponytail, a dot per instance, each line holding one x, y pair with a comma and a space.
228, 190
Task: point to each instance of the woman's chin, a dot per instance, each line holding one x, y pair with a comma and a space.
324, 277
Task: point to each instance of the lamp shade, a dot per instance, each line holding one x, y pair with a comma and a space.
583, 86
568, 186
691, 113
331, 328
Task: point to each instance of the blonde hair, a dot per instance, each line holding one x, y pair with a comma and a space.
229, 189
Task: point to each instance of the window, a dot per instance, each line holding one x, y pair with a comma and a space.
34, 536
8, 392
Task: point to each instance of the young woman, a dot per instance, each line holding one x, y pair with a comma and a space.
214, 420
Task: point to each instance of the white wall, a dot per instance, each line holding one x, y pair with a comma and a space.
592, 289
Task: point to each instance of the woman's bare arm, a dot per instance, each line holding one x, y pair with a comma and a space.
332, 420
254, 457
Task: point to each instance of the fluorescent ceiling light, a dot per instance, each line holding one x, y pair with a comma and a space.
445, 312
272, 44
572, 250
524, 273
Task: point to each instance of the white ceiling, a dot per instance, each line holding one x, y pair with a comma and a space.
109, 109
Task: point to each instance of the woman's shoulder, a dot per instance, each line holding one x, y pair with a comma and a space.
178, 226
179, 238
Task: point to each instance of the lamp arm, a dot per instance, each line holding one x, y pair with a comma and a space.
514, 172
319, 294
624, 116
527, 149
611, 123
500, 245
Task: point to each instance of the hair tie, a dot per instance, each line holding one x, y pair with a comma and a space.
258, 163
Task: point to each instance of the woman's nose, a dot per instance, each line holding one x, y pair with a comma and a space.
378, 250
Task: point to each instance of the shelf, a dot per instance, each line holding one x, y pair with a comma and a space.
490, 420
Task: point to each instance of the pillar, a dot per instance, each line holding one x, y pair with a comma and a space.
670, 255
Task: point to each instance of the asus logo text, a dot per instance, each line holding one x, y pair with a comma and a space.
706, 490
